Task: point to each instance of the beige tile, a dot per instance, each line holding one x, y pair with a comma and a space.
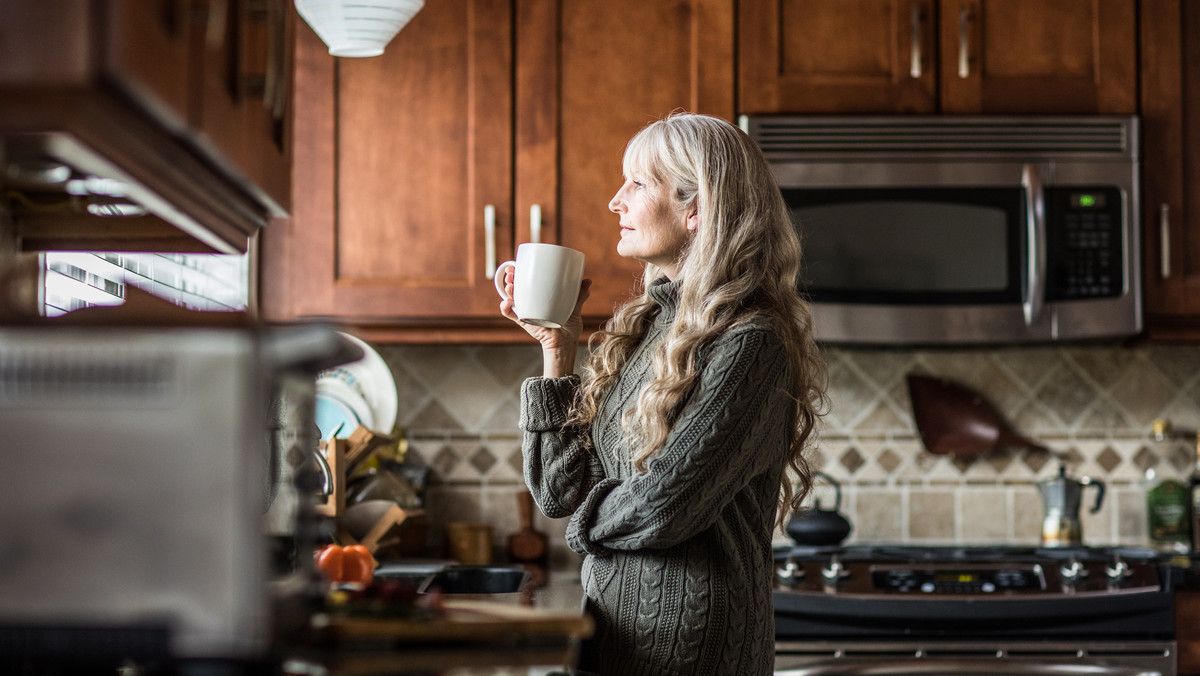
1027, 515
931, 515
878, 515
1092, 402
1132, 524
985, 514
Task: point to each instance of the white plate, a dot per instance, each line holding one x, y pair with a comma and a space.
340, 405
369, 378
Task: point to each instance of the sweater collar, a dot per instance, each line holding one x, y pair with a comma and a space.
666, 293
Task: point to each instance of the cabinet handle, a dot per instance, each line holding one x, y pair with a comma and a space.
914, 56
1164, 234
964, 65
489, 231
535, 223
1035, 225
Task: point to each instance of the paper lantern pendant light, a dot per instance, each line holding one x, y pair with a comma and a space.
357, 27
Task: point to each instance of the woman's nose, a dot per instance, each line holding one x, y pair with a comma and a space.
614, 204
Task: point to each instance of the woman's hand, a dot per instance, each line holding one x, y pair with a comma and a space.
559, 346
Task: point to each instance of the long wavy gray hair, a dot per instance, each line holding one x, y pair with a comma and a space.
741, 264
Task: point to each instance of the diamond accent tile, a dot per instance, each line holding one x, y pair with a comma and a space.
962, 463
1030, 366
1067, 394
482, 460
511, 364
1145, 459
882, 417
517, 461
1108, 459
434, 417
1182, 458
1000, 461
1143, 393
444, 461
1036, 461
852, 460
1177, 363
889, 460
1103, 365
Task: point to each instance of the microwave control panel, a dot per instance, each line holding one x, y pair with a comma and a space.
1085, 242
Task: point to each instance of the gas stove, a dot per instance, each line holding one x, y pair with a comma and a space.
1065, 605
964, 572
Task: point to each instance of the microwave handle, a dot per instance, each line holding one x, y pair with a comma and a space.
1035, 224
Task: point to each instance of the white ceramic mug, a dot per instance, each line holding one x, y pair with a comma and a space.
546, 281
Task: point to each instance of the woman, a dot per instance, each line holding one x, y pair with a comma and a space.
671, 454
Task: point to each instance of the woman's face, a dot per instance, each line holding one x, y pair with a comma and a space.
653, 229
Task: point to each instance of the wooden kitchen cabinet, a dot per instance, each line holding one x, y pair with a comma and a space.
1171, 171
417, 171
185, 101
938, 56
216, 71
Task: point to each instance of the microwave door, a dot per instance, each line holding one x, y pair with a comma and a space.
922, 265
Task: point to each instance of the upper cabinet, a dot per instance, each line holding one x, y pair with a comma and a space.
171, 115
931, 56
1171, 186
485, 123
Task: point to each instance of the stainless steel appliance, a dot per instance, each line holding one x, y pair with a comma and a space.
973, 610
138, 468
963, 229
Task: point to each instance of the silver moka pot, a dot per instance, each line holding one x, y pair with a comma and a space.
1061, 497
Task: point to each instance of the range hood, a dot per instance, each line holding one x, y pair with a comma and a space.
133, 128
63, 194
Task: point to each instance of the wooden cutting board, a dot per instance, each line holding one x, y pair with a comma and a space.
461, 621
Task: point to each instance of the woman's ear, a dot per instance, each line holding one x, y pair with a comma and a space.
693, 220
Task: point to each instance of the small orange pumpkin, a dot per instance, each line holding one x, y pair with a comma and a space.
349, 564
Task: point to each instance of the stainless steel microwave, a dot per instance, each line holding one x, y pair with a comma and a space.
952, 230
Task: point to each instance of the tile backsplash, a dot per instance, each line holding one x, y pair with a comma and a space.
459, 406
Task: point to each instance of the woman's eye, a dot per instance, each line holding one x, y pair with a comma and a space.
639, 184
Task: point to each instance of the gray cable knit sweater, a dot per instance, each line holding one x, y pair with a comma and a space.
678, 567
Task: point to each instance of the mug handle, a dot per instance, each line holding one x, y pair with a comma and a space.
498, 278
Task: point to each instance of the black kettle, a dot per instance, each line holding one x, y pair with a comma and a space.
820, 527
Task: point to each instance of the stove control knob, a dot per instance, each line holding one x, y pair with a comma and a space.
1074, 571
834, 572
1118, 571
791, 574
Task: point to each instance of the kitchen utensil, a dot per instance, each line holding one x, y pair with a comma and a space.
955, 420
469, 543
1061, 496
820, 527
527, 545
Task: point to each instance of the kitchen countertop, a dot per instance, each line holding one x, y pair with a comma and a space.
547, 638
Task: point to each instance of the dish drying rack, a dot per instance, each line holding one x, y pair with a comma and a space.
343, 456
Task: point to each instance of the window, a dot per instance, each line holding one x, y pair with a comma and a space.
214, 282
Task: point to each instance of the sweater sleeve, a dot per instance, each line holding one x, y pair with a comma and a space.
733, 428
559, 467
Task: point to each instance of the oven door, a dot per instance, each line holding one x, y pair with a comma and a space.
1149, 658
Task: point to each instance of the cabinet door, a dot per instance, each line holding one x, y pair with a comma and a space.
801, 56
240, 111
589, 76
1171, 156
396, 158
147, 51
1038, 56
